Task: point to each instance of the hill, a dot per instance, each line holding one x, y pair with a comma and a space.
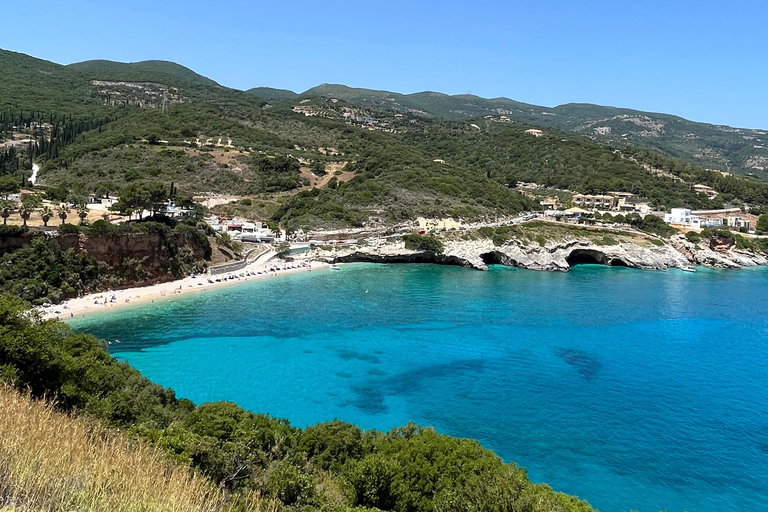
315, 161
269, 93
738, 150
135, 71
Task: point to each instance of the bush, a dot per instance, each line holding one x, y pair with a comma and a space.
12, 231
693, 237
429, 243
68, 228
762, 224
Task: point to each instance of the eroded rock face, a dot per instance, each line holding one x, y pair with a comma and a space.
556, 256
719, 252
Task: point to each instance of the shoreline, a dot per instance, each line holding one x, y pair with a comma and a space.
105, 301
102, 302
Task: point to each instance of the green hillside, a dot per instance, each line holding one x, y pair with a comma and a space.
28, 83
135, 71
269, 93
742, 151
312, 160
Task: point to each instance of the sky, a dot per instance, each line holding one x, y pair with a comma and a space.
704, 60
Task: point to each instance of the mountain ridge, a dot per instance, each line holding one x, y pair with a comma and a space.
715, 146
100, 66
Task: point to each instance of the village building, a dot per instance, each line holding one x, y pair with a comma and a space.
683, 217
739, 223
534, 132
549, 203
593, 201
704, 189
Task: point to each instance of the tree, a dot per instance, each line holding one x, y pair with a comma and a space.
283, 248
762, 224
134, 197
9, 185
46, 213
25, 212
6, 209
31, 200
157, 193
63, 212
82, 212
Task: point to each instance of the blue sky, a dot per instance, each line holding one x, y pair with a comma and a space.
704, 60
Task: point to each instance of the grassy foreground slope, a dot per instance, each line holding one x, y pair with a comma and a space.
51, 461
328, 466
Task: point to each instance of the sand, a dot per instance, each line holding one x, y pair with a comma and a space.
110, 300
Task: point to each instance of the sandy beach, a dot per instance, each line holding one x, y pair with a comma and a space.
109, 300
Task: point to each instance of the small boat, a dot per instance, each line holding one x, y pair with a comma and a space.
689, 268
335, 267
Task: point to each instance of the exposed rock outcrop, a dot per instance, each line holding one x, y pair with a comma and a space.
718, 252
479, 253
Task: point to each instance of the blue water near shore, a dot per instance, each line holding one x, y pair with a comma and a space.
634, 390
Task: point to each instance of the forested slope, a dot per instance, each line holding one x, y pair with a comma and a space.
310, 161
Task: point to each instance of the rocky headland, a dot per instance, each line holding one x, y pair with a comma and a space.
547, 247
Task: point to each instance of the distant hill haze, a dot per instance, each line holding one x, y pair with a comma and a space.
739, 150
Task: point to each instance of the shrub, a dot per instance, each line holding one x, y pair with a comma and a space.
429, 243
68, 228
693, 237
12, 231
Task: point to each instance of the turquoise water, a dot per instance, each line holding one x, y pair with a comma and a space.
631, 389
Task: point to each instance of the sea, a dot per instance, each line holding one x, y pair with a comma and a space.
635, 390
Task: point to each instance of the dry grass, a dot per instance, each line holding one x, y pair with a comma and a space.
52, 462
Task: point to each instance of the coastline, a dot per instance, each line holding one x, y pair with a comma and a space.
102, 302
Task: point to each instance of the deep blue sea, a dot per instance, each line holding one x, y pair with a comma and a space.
635, 390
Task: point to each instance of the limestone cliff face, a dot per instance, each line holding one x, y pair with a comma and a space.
552, 256
718, 252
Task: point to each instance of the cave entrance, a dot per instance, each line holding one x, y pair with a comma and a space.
592, 257
585, 257
492, 258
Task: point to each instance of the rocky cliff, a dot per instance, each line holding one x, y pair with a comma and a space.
624, 249
479, 253
718, 252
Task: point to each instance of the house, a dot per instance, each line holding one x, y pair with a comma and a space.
706, 222
535, 133
704, 189
679, 216
593, 201
577, 213
683, 217
549, 203
738, 223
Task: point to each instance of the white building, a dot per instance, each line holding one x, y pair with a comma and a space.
679, 216
684, 217
738, 223
706, 222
